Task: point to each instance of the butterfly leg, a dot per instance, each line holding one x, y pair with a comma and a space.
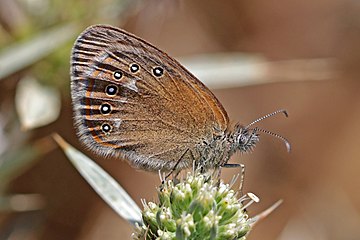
242, 176
174, 169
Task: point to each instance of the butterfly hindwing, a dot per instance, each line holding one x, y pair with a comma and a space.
132, 100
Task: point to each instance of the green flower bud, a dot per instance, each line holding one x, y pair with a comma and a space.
197, 207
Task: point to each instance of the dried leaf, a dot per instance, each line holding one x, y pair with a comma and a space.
36, 105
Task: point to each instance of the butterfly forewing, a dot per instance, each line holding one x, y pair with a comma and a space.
131, 99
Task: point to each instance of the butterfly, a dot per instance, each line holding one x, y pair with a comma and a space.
131, 100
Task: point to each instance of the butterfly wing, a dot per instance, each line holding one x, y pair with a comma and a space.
132, 100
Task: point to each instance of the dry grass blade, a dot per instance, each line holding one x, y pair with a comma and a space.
22, 202
108, 189
226, 70
21, 55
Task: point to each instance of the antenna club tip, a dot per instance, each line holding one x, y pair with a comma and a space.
285, 112
288, 147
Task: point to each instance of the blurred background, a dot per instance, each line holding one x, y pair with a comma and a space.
257, 56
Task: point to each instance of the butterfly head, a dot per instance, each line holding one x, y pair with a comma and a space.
244, 138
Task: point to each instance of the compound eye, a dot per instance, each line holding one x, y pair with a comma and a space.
242, 138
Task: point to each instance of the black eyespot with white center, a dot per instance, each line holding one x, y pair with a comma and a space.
158, 71
105, 108
106, 128
111, 90
118, 74
134, 68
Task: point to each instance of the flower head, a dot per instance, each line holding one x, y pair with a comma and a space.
198, 207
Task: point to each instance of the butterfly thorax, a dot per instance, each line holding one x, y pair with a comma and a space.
210, 154
218, 151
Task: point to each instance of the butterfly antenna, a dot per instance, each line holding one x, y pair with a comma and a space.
267, 116
287, 144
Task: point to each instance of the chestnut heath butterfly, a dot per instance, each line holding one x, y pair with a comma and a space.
132, 100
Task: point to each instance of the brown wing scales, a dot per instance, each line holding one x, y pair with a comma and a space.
152, 119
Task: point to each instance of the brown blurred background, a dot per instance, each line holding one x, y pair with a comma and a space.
319, 180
